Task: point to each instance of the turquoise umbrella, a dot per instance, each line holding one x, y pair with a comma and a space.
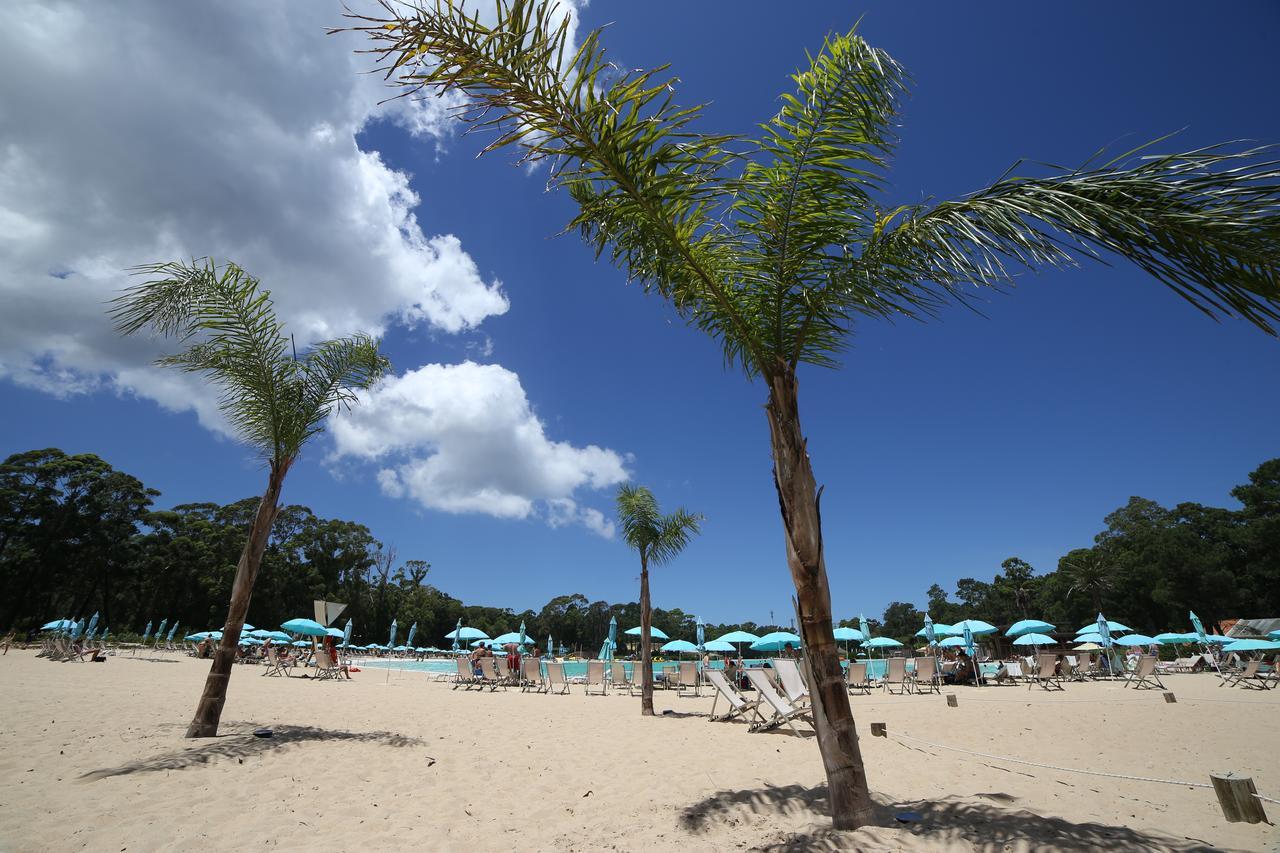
848, 635
336, 633
718, 646
1251, 645
1028, 626
392, 641
951, 642
702, 640
1274, 635
550, 648
457, 634
680, 646
461, 633
346, 635
1088, 637
654, 632
172, 631
776, 641
307, 627
93, 624
413, 629
862, 626
1135, 640
1034, 639
930, 633
882, 643
509, 637
524, 635
160, 630
1170, 638
974, 626
1199, 627
1112, 627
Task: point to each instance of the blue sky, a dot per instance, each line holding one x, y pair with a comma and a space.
944, 447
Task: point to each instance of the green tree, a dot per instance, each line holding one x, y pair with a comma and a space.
775, 247
658, 539
902, 620
275, 401
1089, 576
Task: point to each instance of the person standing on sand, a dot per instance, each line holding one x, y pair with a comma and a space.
7, 641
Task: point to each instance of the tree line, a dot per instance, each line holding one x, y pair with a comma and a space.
78, 536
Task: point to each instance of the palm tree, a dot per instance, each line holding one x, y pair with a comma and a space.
1088, 576
274, 400
658, 539
775, 247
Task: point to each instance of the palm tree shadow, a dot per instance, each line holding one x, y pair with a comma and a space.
238, 741
944, 823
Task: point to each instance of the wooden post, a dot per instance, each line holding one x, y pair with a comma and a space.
1170, 698
1236, 796
879, 730
952, 701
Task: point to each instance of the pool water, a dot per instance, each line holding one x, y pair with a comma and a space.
578, 668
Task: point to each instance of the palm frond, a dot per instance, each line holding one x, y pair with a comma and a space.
673, 535
659, 538
1205, 223
332, 372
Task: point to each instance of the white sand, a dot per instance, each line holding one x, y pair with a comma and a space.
92, 758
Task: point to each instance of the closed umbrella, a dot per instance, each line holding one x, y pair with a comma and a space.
160, 630
862, 626
392, 641
93, 624
929, 633
346, 635
524, 635
611, 642
702, 640
1199, 628
551, 649
968, 646
456, 635
413, 629
172, 632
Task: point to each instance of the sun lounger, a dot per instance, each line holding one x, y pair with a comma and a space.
1257, 679
277, 665
1250, 672
326, 667
784, 713
556, 682
1011, 671
792, 682
489, 675
619, 679
856, 677
1144, 676
1046, 673
688, 679
465, 676
739, 705
925, 679
531, 676
896, 673
595, 678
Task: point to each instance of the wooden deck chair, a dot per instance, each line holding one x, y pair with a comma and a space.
856, 677
1250, 671
465, 677
1046, 673
556, 682
739, 705
276, 665
1258, 680
784, 713
595, 678
1144, 675
791, 681
926, 679
688, 679
489, 675
619, 678
895, 673
531, 676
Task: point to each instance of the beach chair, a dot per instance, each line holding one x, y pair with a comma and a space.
895, 673
489, 675
739, 705
925, 679
1257, 679
791, 681
531, 676
1144, 675
784, 713
687, 679
326, 667
1069, 667
619, 678
504, 671
556, 682
595, 678
856, 677
1046, 673
1250, 672
465, 676
276, 665
1009, 671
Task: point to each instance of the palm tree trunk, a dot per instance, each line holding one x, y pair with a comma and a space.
798, 500
209, 711
646, 652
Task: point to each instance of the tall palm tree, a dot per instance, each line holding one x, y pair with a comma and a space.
1089, 576
658, 539
776, 246
274, 399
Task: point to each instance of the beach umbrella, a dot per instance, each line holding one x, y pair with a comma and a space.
974, 626
1169, 638
736, 637
247, 627
1198, 626
250, 641
336, 633
951, 642
1274, 635
1088, 647
1217, 638
216, 635
1028, 626
172, 631
862, 626
465, 633
550, 647
718, 646
75, 630
1251, 646
654, 632
279, 636
680, 646
93, 624
260, 633
1135, 640
1034, 639
775, 641
413, 629
300, 644
160, 630
1090, 637
940, 629
611, 642
929, 633
392, 640
346, 635
968, 637
457, 634
882, 643
1112, 627
59, 624
524, 635
847, 635
307, 627
702, 640
503, 639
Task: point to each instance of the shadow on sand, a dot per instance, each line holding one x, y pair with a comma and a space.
238, 741
944, 824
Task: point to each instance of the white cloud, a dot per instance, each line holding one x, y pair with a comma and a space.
134, 131
463, 438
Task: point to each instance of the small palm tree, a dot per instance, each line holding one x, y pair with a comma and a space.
275, 400
1089, 576
776, 246
658, 539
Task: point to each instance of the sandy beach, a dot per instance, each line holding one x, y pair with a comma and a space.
92, 758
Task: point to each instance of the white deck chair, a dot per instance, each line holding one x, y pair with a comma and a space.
1144, 675
465, 676
595, 677
856, 677
276, 665
556, 682
896, 673
791, 680
326, 667
531, 676
1010, 670
489, 675
1046, 673
739, 705
783, 711
688, 679
925, 679
1249, 673
620, 680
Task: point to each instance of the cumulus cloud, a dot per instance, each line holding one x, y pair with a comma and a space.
140, 131
464, 438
